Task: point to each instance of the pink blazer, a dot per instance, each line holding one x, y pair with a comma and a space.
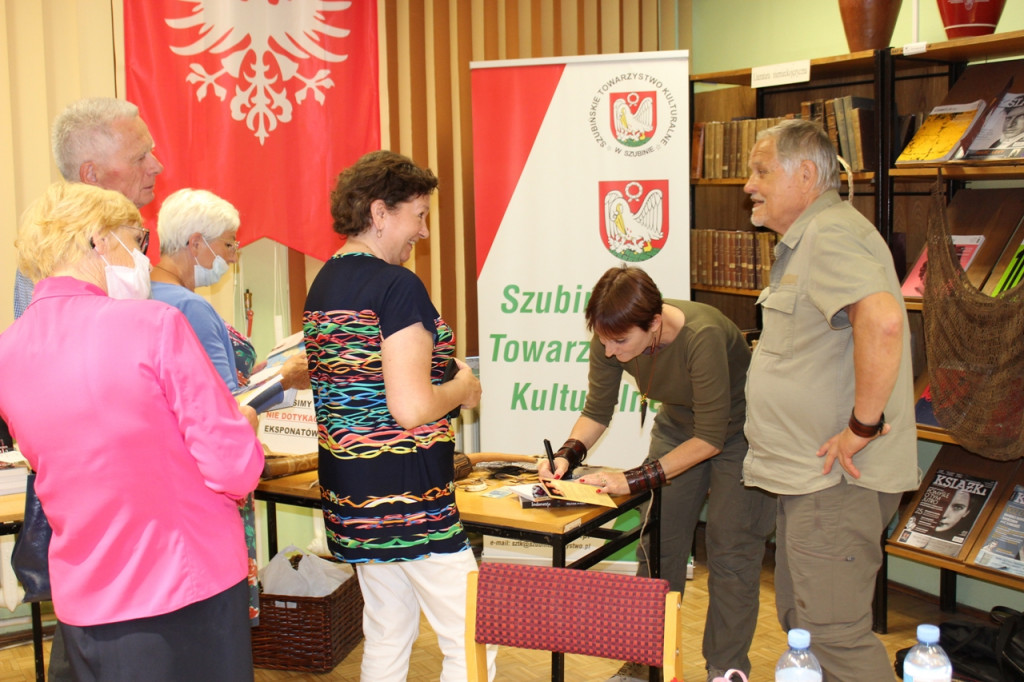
140, 450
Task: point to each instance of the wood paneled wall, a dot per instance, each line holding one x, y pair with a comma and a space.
427, 47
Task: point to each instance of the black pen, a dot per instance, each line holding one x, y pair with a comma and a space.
551, 456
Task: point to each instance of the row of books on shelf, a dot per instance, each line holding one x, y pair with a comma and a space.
850, 123
720, 149
737, 259
981, 120
968, 509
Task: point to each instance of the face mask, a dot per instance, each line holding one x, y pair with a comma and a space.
128, 282
206, 276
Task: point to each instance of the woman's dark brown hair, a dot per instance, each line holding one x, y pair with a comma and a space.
383, 175
623, 298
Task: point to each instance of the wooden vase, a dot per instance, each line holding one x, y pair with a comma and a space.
963, 18
869, 23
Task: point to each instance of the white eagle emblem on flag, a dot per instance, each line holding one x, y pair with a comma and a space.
263, 43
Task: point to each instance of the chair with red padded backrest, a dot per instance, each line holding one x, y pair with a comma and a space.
626, 618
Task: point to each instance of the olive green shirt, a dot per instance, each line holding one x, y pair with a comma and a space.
800, 388
697, 378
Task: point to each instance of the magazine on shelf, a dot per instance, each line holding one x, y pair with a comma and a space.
966, 246
1003, 547
1001, 136
946, 512
942, 135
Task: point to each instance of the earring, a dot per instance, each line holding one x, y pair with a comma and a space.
380, 232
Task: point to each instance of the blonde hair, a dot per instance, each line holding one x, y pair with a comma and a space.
57, 229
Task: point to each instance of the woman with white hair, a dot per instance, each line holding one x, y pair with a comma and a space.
197, 242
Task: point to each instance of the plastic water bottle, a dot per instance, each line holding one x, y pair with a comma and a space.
927, 662
798, 664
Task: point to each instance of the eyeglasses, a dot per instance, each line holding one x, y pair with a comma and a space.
144, 242
232, 245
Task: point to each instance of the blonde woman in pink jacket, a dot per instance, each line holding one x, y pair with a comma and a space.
140, 451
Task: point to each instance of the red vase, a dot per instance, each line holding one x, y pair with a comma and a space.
963, 18
869, 23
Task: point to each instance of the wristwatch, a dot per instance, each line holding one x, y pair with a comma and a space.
863, 430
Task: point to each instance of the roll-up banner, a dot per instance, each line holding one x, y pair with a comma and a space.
580, 164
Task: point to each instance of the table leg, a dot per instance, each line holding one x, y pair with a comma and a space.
654, 529
947, 590
271, 528
37, 641
557, 658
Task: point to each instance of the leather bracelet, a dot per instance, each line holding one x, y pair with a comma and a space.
574, 452
863, 430
645, 477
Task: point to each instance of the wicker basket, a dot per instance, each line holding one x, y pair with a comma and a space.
311, 634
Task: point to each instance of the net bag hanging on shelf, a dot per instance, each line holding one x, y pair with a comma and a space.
975, 348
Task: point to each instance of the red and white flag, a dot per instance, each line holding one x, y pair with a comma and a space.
262, 102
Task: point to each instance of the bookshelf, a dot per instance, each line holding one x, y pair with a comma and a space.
896, 199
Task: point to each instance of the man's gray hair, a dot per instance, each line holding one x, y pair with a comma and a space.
83, 130
799, 140
188, 211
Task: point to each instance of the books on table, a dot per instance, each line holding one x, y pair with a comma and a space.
13, 472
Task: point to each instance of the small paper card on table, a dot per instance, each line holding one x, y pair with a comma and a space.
580, 492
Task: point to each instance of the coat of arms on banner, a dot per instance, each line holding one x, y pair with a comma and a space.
634, 218
634, 117
262, 44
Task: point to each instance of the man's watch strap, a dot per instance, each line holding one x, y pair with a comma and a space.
863, 430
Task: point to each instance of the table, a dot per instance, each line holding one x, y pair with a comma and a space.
12, 512
504, 517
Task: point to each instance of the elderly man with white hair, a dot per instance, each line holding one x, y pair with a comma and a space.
100, 141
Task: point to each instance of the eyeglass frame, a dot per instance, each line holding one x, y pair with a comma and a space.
143, 243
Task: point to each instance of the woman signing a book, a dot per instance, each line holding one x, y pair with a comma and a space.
377, 352
692, 360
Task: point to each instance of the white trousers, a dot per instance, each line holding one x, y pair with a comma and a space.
394, 594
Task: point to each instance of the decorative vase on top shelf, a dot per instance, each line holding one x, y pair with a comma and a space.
869, 23
964, 18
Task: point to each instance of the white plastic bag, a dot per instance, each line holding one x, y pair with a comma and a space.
314, 577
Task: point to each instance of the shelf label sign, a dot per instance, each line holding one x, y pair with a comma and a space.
780, 74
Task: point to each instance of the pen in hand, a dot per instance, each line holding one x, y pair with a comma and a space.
551, 456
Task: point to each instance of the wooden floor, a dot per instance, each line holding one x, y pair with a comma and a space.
906, 611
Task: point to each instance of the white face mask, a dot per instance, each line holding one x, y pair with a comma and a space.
207, 276
128, 282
